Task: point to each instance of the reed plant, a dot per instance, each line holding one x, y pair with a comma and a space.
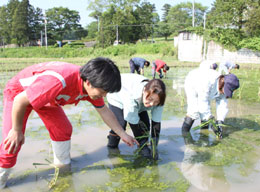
212, 124
147, 136
54, 179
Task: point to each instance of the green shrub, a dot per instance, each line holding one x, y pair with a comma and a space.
77, 49
251, 43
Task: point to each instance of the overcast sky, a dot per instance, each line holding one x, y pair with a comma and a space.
81, 6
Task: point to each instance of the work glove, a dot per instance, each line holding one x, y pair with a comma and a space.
219, 130
161, 76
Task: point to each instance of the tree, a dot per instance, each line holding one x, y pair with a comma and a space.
145, 17
6, 18
229, 13
99, 6
163, 29
252, 26
166, 8
62, 20
180, 16
35, 23
92, 29
4, 25
19, 24
107, 31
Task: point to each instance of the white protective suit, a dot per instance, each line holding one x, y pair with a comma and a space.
201, 86
206, 64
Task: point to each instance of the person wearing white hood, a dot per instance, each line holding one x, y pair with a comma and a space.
202, 86
208, 64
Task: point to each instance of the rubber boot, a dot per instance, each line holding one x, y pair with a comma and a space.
61, 156
61, 152
113, 140
219, 132
187, 124
4, 174
143, 149
154, 151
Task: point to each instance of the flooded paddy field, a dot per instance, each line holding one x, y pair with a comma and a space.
200, 163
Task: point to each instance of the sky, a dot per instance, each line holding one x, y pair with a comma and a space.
81, 6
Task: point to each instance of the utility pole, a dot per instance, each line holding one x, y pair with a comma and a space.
45, 23
117, 34
204, 41
193, 13
98, 23
204, 24
41, 38
152, 34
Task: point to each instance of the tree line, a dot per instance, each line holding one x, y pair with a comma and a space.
21, 23
231, 22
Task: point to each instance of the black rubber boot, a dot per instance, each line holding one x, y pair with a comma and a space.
154, 151
187, 124
113, 140
219, 132
143, 149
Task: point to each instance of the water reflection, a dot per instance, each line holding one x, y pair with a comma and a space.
232, 164
199, 175
223, 165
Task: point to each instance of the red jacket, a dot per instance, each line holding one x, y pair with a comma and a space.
50, 83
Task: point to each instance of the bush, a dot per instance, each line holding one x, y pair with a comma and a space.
78, 50
251, 43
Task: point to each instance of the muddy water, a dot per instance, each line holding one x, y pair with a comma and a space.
201, 163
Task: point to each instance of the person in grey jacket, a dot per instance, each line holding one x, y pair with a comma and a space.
226, 66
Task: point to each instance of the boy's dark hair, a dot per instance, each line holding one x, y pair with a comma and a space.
237, 66
166, 67
147, 63
102, 73
158, 87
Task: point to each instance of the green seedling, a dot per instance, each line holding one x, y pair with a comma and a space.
54, 179
212, 124
146, 135
240, 91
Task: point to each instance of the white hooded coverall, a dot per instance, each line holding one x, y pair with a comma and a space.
201, 86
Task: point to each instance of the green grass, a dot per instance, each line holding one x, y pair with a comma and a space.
164, 48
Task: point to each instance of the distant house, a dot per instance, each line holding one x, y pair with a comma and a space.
191, 47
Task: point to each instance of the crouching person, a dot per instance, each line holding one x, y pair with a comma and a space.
45, 88
137, 96
202, 86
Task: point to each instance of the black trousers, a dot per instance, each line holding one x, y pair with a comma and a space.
134, 67
119, 113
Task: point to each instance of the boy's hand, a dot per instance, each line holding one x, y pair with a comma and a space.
13, 141
129, 140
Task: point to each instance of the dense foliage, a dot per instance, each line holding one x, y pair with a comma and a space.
78, 50
233, 23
